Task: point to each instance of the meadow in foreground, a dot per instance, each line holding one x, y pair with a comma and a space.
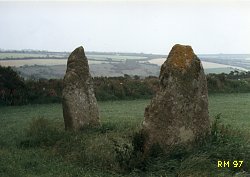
33, 142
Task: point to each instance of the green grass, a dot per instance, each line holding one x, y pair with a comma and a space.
235, 109
33, 142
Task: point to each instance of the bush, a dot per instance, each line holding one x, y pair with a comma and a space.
14, 90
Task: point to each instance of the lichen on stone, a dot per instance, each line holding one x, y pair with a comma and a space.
181, 56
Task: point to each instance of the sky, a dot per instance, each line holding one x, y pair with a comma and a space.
210, 27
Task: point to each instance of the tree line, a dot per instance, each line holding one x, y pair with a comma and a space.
14, 90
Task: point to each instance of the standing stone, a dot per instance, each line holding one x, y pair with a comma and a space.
178, 114
79, 103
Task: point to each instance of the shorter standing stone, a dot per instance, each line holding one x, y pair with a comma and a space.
178, 114
79, 103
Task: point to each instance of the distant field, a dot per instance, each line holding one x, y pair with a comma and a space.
212, 63
115, 57
19, 55
30, 62
218, 70
8, 59
44, 62
91, 153
25, 55
96, 56
211, 67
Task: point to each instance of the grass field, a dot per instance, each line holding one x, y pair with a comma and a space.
39, 147
19, 55
234, 109
115, 57
41, 62
25, 55
17, 61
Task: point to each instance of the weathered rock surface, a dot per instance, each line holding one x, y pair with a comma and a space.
79, 103
178, 114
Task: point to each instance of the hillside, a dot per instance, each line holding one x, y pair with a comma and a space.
45, 64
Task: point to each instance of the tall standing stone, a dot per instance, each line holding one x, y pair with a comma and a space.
79, 103
178, 114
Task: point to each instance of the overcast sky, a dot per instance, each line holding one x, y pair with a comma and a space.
149, 27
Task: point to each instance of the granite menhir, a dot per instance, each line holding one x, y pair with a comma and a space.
178, 114
80, 107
